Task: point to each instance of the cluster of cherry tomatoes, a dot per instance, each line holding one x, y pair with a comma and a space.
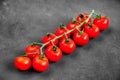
67, 43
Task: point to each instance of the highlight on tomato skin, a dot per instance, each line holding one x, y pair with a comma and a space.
82, 17
40, 64
102, 22
61, 30
48, 37
72, 25
81, 38
92, 30
53, 53
22, 63
32, 50
68, 46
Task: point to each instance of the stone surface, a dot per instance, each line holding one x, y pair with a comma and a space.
24, 21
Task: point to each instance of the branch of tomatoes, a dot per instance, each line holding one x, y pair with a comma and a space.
80, 28
69, 31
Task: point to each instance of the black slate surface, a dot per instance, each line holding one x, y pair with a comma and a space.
24, 21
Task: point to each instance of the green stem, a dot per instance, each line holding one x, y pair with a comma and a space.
36, 43
42, 56
42, 48
78, 30
98, 15
52, 43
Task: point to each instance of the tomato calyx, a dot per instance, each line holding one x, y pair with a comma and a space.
98, 16
54, 48
67, 39
74, 20
47, 34
81, 16
62, 26
24, 55
33, 44
81, 32
90, 24
42, 56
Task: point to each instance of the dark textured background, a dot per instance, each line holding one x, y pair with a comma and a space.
24, 21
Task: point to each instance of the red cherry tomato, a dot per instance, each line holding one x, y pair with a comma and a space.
72, 25
49, 37
32, 50
92, 30
81, 39
53, 53
67, 45
40, 64
82, 17
22, 63
61, 30
102, 22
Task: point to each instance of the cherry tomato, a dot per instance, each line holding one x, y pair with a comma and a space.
102, 22
22, 63
61, 30
48, 37
67, 45
53, 53
40, 64
92, 30
82, 17
72, 25
81, 38
32, 50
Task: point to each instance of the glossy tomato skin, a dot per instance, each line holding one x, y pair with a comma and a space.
93, 31
32, 50
40, 64
60, 31
82, 17
81, 39
53, 54
102, 22
49, 37
22, 63
67, 47
72, 25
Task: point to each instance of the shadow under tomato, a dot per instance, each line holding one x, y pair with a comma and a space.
31, 72
107, 31
61, 62
1, 2
102, 35
10, 67
118, 76
1, 78
88, 46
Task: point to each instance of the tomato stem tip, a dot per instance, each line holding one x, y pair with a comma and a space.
47, 34
54, 48
67, 39
81, 16
73, 20
62, 26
